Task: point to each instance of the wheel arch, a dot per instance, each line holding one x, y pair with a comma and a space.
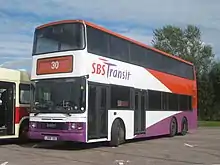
23, 121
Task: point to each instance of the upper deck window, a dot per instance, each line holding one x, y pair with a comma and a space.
61, 37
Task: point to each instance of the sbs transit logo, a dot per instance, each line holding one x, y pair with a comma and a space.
110, 70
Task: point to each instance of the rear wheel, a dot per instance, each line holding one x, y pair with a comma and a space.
173, 127
117, 133
184, 127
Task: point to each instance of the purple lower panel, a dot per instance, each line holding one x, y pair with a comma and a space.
162, 127
62, 135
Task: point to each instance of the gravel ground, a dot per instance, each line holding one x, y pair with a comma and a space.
201, 147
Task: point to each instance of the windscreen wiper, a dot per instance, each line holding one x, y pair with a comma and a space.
35, 114
62, 111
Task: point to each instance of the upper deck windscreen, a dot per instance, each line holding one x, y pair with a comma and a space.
61, 37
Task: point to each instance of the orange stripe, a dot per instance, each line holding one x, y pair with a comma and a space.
176, 84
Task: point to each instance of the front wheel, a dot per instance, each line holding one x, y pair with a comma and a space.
23, 133
117, 133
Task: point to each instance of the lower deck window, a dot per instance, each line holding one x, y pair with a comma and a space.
120, 97
154, 98
158, 100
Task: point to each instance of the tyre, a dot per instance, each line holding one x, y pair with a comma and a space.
173, 127
23, 133
184, 127
117, 133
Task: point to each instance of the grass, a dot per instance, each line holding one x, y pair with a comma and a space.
209, 123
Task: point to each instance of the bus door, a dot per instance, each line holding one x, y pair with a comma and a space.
139, 112
98, 97
7, 108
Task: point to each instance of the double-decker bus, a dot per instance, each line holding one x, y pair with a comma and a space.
92, 84
14, 104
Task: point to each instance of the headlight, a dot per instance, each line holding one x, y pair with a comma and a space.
75, 126
33, 125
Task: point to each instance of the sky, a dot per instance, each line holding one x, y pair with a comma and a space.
134, 18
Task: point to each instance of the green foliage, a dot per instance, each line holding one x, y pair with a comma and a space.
214, 76
209, 123
205, 97
187, 44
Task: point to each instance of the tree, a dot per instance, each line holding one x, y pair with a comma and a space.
187, 44
206, 97
214, 79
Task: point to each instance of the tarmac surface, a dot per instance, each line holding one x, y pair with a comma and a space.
201, 147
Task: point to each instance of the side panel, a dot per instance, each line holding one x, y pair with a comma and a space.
108, 71
128, 118
179, 85
158, 121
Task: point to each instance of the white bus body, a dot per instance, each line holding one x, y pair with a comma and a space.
113, 100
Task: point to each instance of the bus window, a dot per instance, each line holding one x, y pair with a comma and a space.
57, 38
24, 94
120, 97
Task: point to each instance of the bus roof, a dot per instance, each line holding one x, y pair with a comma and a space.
115, 34
13, 75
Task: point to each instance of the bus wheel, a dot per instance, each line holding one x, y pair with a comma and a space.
23, 133
173, 127
184, 127
117, 133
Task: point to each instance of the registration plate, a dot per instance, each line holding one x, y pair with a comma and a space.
52, 138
